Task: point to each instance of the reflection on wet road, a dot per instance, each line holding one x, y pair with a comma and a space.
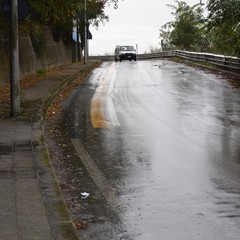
165, 139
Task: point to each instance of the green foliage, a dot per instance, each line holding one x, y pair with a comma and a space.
223, 25
218, 33
223, 11
165, 33
53, 12
41, 73
59, 15
187, 31
38, 42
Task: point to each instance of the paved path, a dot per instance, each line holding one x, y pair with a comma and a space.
31, 203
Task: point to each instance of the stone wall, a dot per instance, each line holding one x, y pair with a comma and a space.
57, 53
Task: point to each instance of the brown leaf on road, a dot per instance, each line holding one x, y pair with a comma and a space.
80, 224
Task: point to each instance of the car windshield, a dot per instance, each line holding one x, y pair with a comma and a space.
126, 48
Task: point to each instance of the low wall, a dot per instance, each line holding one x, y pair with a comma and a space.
56, 54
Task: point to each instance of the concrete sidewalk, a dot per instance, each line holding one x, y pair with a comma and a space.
32, 206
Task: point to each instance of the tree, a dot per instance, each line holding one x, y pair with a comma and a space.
61, 12
95, 15
187, 31
165, 35
223, 24
223, 11
59, 15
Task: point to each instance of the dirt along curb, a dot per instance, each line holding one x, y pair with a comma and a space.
57, 209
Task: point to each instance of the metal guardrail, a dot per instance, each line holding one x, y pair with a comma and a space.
155, 55
139, 56
227, 62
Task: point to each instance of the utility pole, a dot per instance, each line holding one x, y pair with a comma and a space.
85, 34
78, 42
14, 60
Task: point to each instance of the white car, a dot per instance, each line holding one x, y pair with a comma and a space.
125, 53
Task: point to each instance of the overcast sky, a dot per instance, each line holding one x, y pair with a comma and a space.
134, 22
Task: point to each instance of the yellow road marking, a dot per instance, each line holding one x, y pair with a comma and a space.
98, 112
98, 117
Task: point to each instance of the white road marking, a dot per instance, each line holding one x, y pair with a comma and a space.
97, 176
110, 106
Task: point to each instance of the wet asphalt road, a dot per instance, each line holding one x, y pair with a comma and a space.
161, 144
